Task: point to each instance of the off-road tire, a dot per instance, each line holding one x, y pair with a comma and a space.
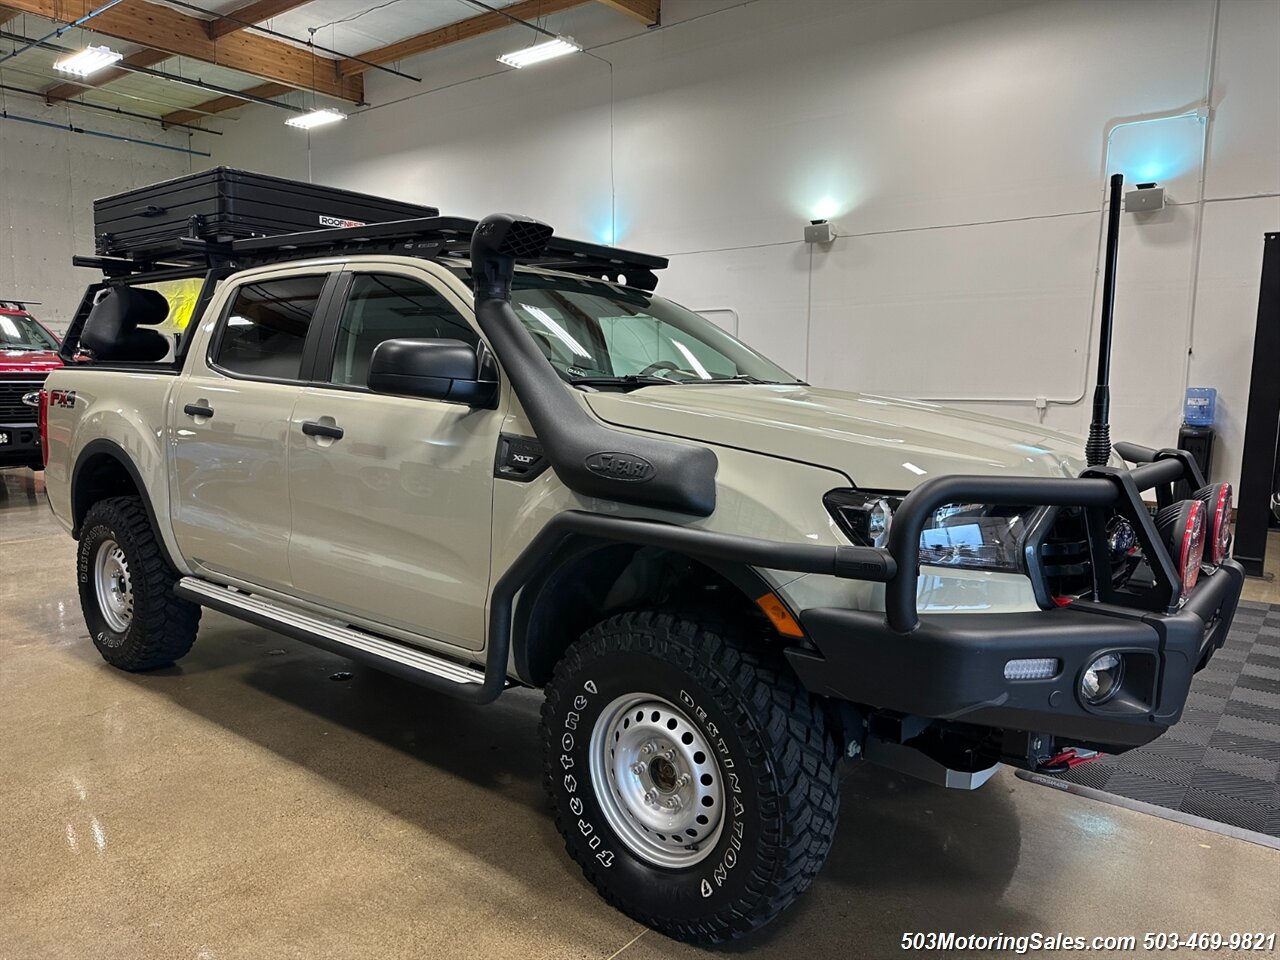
770, 735
162, 627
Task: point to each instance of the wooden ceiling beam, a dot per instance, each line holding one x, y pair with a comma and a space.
143, 58
648, 12
223, 104
164, 28
255, 12
6, 15
455, 32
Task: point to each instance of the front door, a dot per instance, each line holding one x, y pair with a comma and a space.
391, 520
230, 420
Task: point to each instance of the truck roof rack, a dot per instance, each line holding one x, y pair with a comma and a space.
427, 237
9, 303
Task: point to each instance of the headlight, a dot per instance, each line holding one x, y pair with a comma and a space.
864, 517
966, 535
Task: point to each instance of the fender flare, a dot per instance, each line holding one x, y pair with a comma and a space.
742, 577
109, 448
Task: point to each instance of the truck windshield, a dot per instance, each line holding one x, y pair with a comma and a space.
600, 334
20, 332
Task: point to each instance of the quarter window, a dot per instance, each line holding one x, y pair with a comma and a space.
266, 327
385, 306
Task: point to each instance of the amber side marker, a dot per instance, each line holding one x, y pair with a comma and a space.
779, 615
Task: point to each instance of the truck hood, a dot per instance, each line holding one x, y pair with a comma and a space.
27, 361
881, 443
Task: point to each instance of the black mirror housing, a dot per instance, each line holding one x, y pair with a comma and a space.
434, 369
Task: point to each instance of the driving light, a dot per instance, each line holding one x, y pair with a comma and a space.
1035, 668
1216, 498
88, 61
316, 118
539, 52
1122, 539
1101, 680
1182, 526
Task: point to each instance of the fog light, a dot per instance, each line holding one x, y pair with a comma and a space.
1102, 679
1032, 669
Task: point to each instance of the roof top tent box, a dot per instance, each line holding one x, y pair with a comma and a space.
224, 204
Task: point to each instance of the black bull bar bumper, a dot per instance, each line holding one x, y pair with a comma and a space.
953, 666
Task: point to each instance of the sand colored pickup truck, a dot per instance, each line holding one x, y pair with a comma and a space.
478, 455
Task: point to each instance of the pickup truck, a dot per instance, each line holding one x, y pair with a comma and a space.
480, 456
28, 351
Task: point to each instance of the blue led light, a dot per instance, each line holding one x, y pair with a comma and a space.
1156, 151
609, 227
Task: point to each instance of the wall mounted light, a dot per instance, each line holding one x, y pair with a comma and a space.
316, 118
88, 61
1147, 198
820, 231
540, 52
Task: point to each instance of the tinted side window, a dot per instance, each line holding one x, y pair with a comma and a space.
384, 306
266, 327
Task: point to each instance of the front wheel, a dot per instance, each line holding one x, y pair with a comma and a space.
693, 779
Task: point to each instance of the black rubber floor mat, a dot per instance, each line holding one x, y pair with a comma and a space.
1222, 760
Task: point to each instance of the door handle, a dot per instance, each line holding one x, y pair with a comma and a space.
313, 429
198, 410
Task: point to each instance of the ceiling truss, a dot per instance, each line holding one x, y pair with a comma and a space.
228, 41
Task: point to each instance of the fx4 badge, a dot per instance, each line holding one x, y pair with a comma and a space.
621, 466
62, 398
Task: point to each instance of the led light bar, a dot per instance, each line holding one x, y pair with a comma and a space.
1036, 668
88, 61
540, 52
316, 118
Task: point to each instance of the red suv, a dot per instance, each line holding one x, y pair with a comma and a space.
28, 351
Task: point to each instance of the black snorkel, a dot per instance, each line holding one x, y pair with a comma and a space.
590, 458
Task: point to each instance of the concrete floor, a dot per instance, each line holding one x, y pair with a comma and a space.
245, 805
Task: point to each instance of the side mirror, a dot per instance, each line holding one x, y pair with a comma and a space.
435, 369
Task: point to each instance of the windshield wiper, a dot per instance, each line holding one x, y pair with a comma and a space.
627, 380
739, 378
22, 347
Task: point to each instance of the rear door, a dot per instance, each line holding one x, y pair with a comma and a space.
230, 420
391, 521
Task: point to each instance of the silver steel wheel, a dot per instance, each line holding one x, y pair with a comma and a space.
657, 780
113, 586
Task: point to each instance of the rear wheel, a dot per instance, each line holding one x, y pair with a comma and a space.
126, 589
693, 779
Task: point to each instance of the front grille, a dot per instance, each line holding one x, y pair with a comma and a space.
12, 409
1065, 559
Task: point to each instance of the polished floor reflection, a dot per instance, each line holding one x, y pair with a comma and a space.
246, 804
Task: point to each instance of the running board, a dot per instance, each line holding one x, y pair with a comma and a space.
411, 663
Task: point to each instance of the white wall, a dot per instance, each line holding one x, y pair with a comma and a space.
49, 179
959, 145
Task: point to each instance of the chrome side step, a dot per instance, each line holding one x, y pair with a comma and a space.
409, 662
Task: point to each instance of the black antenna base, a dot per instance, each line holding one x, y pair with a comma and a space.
1097, 449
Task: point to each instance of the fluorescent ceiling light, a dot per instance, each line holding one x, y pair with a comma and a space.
87, 61
539, 52
316, 118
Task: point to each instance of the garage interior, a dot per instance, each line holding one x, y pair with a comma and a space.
263, 798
